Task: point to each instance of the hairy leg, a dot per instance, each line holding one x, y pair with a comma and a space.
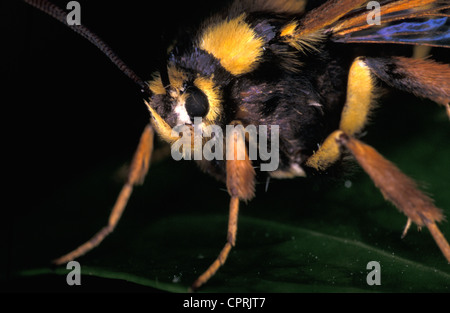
138, 170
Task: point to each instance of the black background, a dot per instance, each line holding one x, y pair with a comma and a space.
66, 109
70, 105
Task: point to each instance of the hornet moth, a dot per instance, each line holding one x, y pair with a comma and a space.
311, 68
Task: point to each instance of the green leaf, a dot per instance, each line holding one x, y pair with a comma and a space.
304, 235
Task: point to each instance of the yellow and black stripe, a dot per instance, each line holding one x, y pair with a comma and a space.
227, 48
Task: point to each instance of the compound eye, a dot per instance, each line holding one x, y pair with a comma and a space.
197, 104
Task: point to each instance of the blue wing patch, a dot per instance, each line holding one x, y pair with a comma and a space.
432, 32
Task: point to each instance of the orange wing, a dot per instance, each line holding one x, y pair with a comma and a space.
415, 22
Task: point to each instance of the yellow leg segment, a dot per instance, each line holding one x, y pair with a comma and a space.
327, 154
360, 98
360, 101
394, 185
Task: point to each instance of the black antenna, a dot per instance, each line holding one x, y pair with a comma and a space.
164, 74
61, 15
163, 64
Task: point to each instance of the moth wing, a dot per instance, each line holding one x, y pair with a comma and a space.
292, 7
414, 22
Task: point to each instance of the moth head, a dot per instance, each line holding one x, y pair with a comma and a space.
178, 96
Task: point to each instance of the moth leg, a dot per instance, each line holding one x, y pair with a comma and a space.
423, 78
138, 170
358, 105
405, 230
399, 189
241, 186
396, 187
223, 255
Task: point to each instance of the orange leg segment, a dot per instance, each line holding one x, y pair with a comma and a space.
138, 170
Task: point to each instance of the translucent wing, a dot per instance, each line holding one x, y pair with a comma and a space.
414, 22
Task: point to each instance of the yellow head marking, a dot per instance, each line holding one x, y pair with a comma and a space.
160, 125
235, 44
156, 85
213, 94
176, 78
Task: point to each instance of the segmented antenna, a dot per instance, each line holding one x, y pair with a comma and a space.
59, 14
